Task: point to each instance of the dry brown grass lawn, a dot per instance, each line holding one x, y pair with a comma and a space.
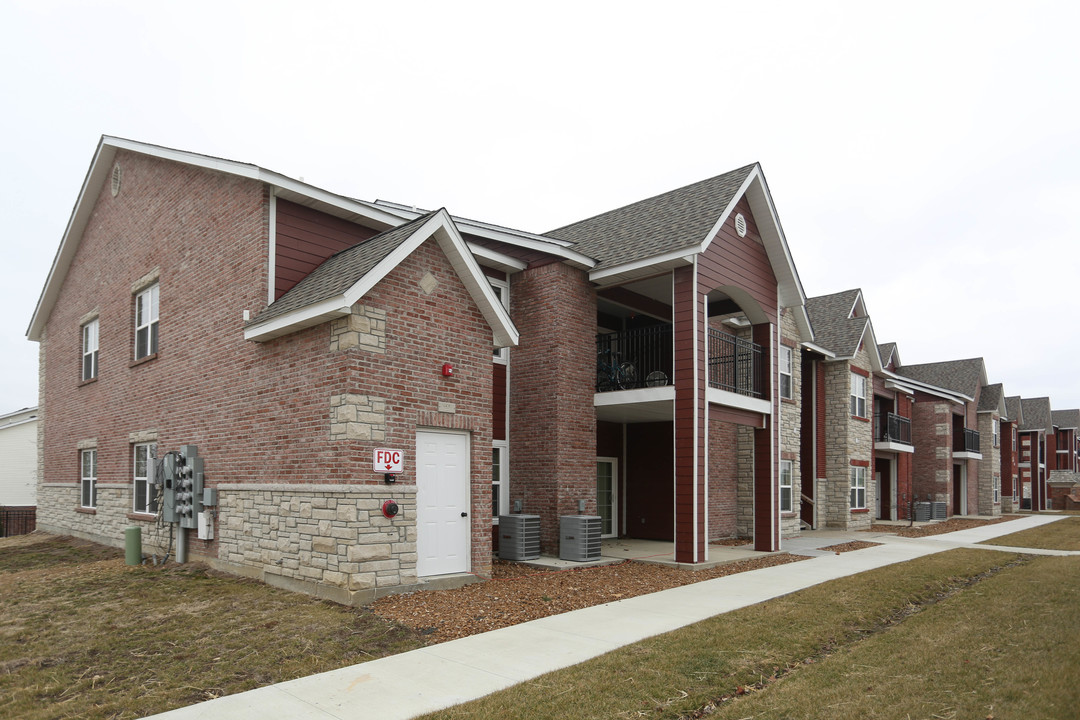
960, 634
82, 635
1061, 535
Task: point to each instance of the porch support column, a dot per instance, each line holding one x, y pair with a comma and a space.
689, 318
766, 450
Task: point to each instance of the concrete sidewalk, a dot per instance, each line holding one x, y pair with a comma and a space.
420, 681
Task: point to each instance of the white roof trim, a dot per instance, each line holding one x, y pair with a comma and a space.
558, 248
441, 227
818, 349
496, 259
950, 395
101, 167
631, 269
899, 386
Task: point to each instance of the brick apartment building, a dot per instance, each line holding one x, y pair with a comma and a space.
635, 365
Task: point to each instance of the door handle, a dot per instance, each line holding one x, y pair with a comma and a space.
464, 514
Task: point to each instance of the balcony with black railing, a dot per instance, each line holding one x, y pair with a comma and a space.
893, 428
643, 357
737, 365
967, 441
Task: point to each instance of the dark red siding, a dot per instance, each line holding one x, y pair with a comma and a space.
305, 238
498, 401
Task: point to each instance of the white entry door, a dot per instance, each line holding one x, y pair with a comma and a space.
442, 503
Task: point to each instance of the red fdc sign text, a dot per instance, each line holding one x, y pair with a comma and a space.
385, 460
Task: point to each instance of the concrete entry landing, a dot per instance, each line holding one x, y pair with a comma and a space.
657, 552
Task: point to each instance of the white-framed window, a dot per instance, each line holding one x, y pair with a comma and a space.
1014, 438
858, 487
90, 350
146, 322
607, 495
995, 431
858, 395
88, 478
787, 490
144, 499
785, 372
500, 487
1016, 488
501, 289
997, 489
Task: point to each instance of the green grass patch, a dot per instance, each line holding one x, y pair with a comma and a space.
677, 674
1063, 534
84, 637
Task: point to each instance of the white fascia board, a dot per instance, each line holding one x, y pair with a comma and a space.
99, 169
899, 387
818, 349
529, 241
772, 237
618, 273
316, 314
857, 304
872, 350
802, 321
950, 395
16, 413
495, 259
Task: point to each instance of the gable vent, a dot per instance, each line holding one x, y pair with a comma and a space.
740, 224
116, 176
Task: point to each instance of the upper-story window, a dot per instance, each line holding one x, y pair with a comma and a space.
90, 350
995, 431
146, 322
501, 288
858, 395
785, 372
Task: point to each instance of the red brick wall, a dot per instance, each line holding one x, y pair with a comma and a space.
931, 474
723, 480
258, 412
552, 376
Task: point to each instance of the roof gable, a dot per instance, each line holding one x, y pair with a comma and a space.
1066, 419
1037, 415
841, 325
100, 171
961, 376
992, 400
331, 289
1015, 411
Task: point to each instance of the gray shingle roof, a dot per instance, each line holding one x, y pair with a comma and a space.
833, 329
991, 397
1013, 407
1066, 418
962, 376
1037, 414
341, 271
676, 220
886, 350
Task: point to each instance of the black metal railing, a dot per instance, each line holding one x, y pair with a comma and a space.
894, 428
736, 365
968, 441
634, 358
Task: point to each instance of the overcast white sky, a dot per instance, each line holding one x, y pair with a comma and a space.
926, 152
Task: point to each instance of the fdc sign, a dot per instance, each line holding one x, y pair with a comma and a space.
385, 460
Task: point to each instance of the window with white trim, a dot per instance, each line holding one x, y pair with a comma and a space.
787, 490
858, 487
502, 292
785, 372
995, 431
88, 478
997, 489
858, 395
144, 498
500, 470
146, 322
90, 350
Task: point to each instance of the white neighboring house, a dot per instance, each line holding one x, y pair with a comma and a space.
19, 458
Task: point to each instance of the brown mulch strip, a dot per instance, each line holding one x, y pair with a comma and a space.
849, 546
517, 594
937, 528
